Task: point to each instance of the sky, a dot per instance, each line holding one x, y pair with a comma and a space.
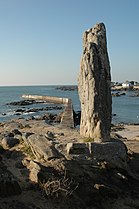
41, 40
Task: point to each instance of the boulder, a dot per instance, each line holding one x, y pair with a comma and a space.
34, 171
77, 149
42, 147
114, 153
8, 183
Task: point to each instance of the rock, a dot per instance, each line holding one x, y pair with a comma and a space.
19, 137
50, 135
18, 204
77, 117
134, 95
136, 138
34, 171
42, 148
114, 153
67, 88
118, 94
11, 125
8, 184
19, 165
16, 132
8, 142
26, 162
94, 84
23, 102
25, 137
1, 150
77, 149
49, 117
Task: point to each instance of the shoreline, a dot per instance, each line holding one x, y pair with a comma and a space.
52, 121
120, 88
9, 112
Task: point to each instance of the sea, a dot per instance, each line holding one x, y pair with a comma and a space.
125, 108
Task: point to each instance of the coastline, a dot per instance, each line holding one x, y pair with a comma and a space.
120, 88
31, 167
129, 132
124, 107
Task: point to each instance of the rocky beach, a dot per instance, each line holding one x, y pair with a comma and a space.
64, 177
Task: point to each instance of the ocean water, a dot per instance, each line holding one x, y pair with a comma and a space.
14, 93
125, 107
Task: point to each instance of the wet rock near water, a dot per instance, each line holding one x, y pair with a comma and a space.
134, 95
34, 110
117, 127
118, 94
67, 88
25, 102
49, 117
77, 117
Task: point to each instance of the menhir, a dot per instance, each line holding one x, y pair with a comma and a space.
94, 86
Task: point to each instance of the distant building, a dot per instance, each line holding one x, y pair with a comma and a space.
127, 85
136, 83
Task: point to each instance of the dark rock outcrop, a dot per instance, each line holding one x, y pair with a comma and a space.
8, 184
8, 142
67, 88
25, 102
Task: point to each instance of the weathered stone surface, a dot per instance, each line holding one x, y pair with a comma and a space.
34, 171
42, 148
8, 184
25, 137
94, 85
77, 149
16, 132
8, 142
114, 153
67, 119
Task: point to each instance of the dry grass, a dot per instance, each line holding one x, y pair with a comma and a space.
58, 187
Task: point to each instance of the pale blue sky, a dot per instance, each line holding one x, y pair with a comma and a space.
41, 40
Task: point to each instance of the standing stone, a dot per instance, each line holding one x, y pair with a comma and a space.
94, 85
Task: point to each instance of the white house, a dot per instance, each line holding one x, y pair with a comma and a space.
127, 85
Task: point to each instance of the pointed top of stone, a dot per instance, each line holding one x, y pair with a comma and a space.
95, 34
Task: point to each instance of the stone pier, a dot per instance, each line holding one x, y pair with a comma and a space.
67, 117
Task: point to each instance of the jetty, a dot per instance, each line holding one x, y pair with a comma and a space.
67, 117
